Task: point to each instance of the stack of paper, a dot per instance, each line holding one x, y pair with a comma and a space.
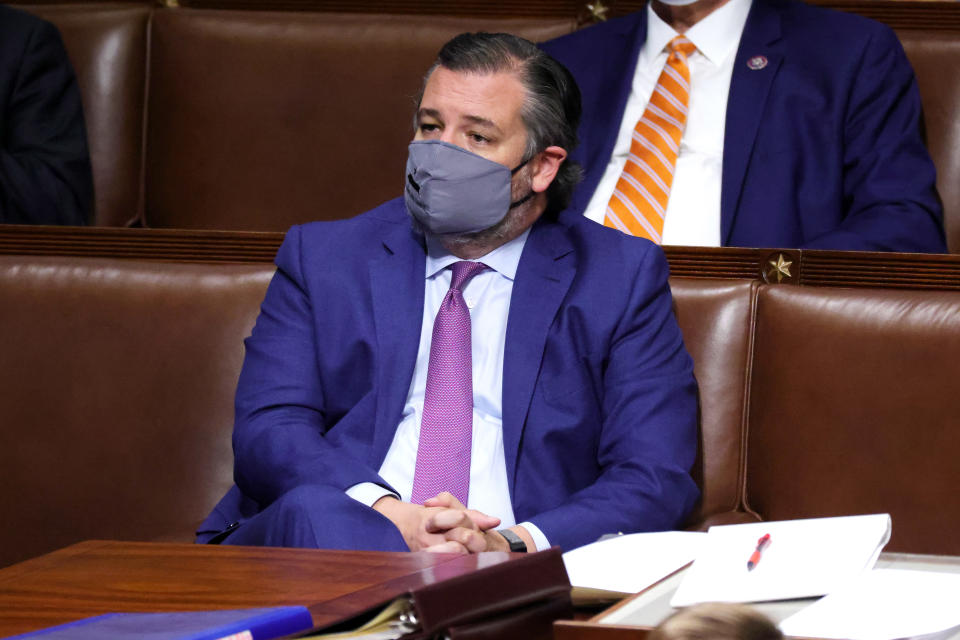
803, 558
883, 604
627, 564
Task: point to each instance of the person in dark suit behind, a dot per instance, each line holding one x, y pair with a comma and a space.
45, 175
801, 128
496, 363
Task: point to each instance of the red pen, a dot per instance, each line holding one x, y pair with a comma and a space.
762, 544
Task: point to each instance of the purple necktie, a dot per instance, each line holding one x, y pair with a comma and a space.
446, 428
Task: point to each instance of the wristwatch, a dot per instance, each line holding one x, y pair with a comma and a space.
515, 542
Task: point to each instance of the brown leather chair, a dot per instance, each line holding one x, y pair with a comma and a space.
107, 44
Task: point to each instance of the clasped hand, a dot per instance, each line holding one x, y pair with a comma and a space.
443, 524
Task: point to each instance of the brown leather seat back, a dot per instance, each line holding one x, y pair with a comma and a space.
118, 380
854, 402
935, 56
107, 45
716, 318
259, 120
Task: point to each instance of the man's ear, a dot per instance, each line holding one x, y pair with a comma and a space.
545, 167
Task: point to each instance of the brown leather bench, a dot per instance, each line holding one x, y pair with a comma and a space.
853, 409
118, 380
262, 119
118, 377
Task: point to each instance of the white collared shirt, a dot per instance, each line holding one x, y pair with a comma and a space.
487, 295
693, 210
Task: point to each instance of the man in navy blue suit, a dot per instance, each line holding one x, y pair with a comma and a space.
578, 415
804, 126
44, 165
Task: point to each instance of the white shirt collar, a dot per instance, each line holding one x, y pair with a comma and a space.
716, 36
504, 259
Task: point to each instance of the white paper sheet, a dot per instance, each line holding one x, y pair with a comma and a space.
631, 563
883, 604
804, 558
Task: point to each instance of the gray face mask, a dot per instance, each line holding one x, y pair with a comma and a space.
451, 190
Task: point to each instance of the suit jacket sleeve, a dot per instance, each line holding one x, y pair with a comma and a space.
648, 432
45, 175
280, 437
889, 180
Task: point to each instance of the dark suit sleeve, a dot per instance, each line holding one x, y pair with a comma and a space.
279, 437
648, 436
45, 175
889, 180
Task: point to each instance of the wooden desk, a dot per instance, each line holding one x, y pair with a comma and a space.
95, 577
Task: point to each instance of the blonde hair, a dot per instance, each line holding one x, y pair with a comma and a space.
717, 621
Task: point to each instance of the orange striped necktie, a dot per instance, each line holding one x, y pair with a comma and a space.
639, 201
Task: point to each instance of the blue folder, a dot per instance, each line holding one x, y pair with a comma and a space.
263, 624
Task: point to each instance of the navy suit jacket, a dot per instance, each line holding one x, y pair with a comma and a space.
45, 175
599, 400
823, 147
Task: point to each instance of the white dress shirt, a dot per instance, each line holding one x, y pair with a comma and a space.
487, 295
693, 210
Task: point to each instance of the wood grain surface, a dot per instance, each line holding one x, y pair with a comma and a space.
96, 577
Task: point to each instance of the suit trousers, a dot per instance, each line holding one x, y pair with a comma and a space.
319, 517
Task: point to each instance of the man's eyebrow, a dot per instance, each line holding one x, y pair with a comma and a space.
477, 120
432, 113
484, 122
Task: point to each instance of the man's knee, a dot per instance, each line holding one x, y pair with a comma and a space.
306, 500
320, 516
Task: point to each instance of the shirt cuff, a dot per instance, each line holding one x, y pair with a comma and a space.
369, 492
539, 540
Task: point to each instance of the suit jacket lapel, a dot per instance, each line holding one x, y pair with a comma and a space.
397, 286
749, 88
609, 88
544, 275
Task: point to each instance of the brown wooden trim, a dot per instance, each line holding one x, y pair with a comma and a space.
168, 245
807, 268
899, 14
580, 630
478, 8
887, 270
711, 262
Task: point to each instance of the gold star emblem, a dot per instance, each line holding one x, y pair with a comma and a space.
597, 11
781, 268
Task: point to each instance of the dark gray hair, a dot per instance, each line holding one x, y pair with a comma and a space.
552, 110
